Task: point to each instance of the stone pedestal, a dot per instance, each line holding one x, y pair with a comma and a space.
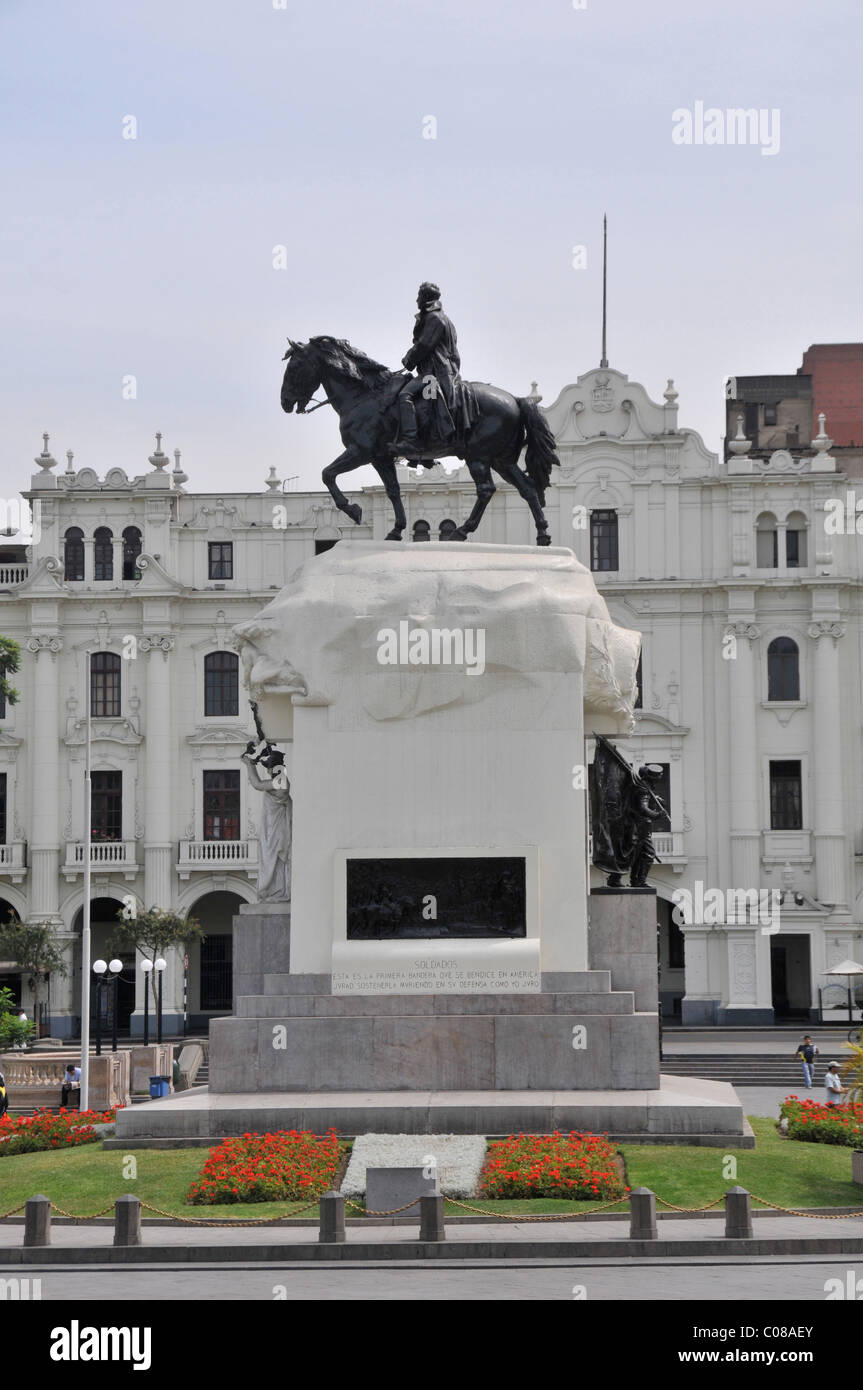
434, 967
156, 1059
622, 940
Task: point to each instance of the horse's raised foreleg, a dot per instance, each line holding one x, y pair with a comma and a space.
511, 473
481, 474
345, 463
387, 470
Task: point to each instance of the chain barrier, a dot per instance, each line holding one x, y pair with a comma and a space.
395, 1211
464, 1206
672, 1207
810, 1215
562, 1216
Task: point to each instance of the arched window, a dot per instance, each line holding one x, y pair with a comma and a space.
766, 542
795, 541
73, 554
783, 669
131, 551
221, 683
445, 530
422, 531
103, 553
105, 685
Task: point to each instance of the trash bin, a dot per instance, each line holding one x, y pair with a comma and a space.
159, 1086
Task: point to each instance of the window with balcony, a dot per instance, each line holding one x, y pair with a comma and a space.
221, 683
220, 559
73, 554
222, 805
131, 551
321, 547
795, 541
106, 790
421, 531
786, 796
766, 542
103, 553
783, 669
603, 541
446, 529
105, 685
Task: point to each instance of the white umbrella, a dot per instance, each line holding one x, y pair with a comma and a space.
849, 968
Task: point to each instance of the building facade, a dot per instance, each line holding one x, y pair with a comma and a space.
746, 595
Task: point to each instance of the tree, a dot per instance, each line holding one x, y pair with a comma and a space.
14, 1032
10, 661
34, 947
153, 932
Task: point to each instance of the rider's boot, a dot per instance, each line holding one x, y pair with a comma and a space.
408, 441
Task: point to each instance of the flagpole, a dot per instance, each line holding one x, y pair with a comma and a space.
85, 928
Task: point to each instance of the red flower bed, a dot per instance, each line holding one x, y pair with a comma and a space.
579, 1166
51, 1129
816, 1123
279, 1167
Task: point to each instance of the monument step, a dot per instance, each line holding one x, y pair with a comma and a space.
399, 1005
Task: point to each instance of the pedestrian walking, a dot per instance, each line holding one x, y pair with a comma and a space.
806, 1054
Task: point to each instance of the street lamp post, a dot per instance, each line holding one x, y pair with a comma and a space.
159, 965
147, 967
99, 968
102, 983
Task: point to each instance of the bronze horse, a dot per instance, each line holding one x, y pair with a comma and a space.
364, 395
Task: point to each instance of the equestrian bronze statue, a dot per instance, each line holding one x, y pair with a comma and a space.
385, 415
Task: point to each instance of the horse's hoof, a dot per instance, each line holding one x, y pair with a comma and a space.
458, 534
394, 535
355, 512
543, 538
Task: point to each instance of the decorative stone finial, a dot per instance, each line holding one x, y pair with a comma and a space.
273, 483
534, 394
178, 475
44, 459
739, 444
69, 469
157, 458
669, 394
821, 443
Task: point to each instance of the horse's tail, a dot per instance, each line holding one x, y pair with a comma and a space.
540, 446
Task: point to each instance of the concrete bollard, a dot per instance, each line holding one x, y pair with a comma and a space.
738, 1214
332, 1228
37, 1220
642, 1214
127, 1221
431, 1217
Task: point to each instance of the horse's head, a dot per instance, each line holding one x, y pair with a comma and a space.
302, 376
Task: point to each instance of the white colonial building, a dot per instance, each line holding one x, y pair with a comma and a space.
750, 681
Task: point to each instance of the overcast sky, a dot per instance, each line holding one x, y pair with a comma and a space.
303, 126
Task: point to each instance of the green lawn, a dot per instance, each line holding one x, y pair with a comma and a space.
787, 1172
